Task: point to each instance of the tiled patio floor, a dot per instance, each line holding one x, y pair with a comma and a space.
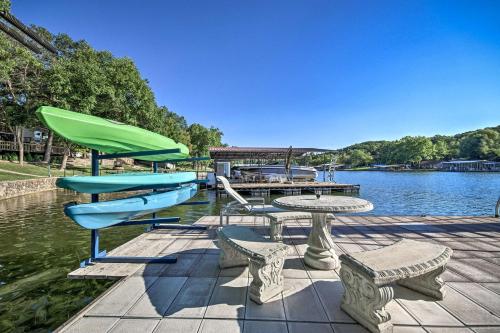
194, 295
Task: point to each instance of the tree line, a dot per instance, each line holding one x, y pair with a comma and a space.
82, 79
478, 144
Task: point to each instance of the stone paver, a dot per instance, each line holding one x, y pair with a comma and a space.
252, 326
119, 300
178, 325
330, 293
495, 286
194, 295
271, 310
302, 302
485, 329
157, 299
135, 325
479, 294
296, 327
192, 299
91, 324
349, 328
228, 299
448, 330
424, 309
207, 266
466, 310
221, 326
408, 329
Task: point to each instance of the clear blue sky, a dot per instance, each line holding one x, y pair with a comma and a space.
302, 73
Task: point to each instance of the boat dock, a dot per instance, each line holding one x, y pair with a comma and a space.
194, 295
296, 188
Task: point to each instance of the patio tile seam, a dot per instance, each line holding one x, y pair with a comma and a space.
439, 305
472, 300
485, 286
319, 298
291, 321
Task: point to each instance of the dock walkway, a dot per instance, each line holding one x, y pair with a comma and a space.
296, 188
194, 295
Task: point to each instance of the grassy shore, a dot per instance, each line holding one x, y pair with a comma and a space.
14, 171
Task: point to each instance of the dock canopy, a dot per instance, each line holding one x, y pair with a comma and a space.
247, 153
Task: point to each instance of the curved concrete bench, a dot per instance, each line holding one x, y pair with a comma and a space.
367, 278
276, 221
240, 246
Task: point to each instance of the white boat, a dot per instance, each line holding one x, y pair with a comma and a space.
275, 172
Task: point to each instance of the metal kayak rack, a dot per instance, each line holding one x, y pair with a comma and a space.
153, 223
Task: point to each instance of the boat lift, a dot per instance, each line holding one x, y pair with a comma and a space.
154, 223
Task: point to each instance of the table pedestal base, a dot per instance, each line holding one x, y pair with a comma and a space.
320, 253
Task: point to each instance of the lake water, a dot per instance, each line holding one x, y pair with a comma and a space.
39, 245
426, 193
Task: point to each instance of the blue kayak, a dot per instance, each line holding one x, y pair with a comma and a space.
103, 214
124, 182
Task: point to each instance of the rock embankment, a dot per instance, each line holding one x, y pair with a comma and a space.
16, 188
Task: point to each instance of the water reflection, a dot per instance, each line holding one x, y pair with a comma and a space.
39, 246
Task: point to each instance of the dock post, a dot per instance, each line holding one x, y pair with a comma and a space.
155, 170
497, 208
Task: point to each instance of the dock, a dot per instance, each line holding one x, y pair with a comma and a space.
194, 295
296, 188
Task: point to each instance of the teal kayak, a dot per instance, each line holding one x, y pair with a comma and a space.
104, 214
124, 181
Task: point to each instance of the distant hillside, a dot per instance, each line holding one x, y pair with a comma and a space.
479, 144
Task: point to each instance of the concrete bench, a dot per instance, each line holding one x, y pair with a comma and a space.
367, 278
240, 246
277, 219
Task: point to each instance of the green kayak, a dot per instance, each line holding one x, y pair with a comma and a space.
108, 136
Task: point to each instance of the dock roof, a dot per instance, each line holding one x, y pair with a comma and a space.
241, 153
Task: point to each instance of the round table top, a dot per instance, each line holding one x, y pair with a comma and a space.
323, 204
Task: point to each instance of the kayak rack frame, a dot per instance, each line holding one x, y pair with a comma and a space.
154, 223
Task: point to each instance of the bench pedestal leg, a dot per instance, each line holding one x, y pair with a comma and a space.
229, 257
365, 302
267, 280
429, 284
276, 230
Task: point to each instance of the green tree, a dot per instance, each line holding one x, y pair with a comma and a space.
5, 6
441, 150
482, 144
20, 77
359, 157
174, 126
413, 150
202, 138
81, 79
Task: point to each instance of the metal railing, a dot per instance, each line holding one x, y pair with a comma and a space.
29, 147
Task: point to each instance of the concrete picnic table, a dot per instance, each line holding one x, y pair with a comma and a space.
320, 253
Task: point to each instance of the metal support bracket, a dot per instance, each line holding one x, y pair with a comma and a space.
139, 153
180, 226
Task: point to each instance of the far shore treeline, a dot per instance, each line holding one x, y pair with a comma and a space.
82, 79
478, 144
